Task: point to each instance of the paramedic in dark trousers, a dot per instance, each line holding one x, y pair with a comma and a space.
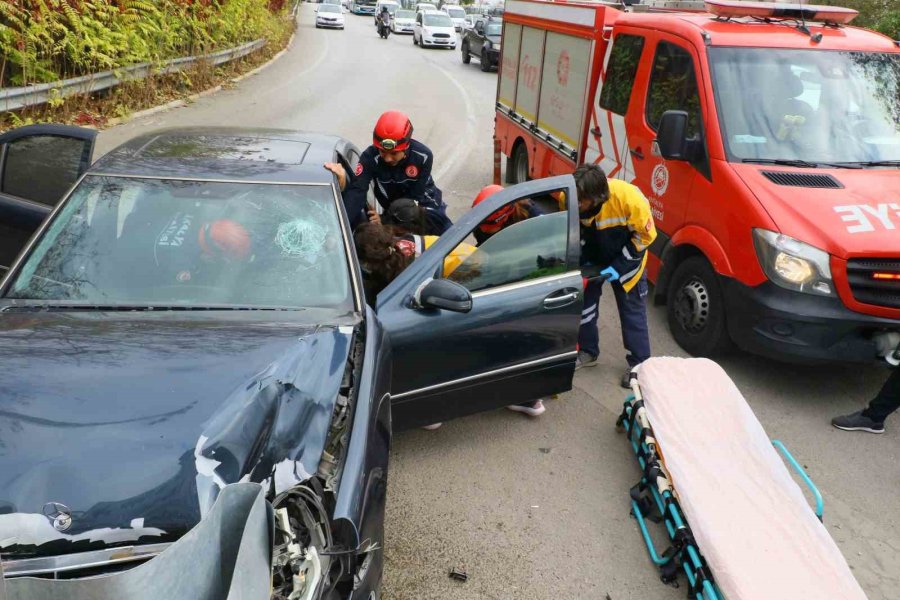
399, 167
872, 417
616, 230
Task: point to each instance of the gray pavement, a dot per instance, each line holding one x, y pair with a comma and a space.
537, 508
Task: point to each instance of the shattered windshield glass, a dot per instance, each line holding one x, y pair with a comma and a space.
810, 105
152, 242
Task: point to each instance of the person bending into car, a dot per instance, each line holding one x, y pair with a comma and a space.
399, 167
383, 256
616, 230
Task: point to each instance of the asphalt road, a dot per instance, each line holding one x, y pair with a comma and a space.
537, 508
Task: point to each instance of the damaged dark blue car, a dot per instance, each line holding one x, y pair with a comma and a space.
196, 402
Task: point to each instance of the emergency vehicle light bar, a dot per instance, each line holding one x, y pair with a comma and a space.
826, 14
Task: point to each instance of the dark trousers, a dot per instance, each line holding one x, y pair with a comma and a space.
632, 313
887, 400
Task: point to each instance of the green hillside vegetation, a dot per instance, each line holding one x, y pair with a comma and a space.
49, 40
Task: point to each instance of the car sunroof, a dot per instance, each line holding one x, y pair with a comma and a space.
227, 148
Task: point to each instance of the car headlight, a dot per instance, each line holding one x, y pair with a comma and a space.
793, 264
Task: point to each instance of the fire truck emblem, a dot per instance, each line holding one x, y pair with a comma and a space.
659, 180
562, 68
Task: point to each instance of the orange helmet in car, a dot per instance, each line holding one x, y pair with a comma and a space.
498, 219
392, 131
224, 238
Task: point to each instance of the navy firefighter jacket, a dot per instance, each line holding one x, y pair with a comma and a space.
410, 178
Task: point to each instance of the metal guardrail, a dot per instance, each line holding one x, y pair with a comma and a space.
32, 95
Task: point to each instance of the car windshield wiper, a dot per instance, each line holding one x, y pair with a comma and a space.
872, 163
803, 164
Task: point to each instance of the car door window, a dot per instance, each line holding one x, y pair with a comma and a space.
673, 86
623, 64
531, 248
41, 167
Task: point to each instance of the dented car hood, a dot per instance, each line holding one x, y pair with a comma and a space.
121, 427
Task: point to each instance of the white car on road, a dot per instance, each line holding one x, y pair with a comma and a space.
434, 28
330, 15
457, 15
404, 21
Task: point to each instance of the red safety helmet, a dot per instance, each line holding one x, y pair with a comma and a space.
224, 238
495, 222
392, 131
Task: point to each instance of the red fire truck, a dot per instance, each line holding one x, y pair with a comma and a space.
766, 138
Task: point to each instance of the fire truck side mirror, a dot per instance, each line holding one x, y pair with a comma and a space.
671, 135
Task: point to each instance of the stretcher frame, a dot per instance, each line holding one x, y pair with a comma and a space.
654, 498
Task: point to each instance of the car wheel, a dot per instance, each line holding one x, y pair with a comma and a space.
485, 61
415, 41
695, 309
465, 53
517, 165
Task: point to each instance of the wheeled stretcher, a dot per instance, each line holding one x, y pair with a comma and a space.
738, 525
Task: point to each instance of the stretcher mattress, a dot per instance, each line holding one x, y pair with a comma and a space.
750, 519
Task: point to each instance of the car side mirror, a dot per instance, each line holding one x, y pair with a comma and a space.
671, 136
444, 294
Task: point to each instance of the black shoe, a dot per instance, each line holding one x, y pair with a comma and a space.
858, 422
626, 380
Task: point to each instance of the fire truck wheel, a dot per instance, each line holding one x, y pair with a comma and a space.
485, 61
696, 309
517, 165
465, 53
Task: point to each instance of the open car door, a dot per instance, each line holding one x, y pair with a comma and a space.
499, 328
38, 165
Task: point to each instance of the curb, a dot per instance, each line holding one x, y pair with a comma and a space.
193, 97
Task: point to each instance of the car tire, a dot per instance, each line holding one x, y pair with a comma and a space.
517, 165
485, 61
465, 53
415, 41
695, 309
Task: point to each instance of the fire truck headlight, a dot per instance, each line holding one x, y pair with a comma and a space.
793, 264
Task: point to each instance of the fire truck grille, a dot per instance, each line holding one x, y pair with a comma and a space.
802, 179
875, 281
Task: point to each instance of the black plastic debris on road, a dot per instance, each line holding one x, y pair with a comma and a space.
458, 574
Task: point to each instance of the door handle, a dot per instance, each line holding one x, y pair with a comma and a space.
636, 152
595, 131
560, 301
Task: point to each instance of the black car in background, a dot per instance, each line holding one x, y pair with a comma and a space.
482, 41
190, 320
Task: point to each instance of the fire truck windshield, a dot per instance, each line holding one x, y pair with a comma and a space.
808, 106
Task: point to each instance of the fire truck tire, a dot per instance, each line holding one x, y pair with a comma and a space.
695, 309
465, 53
517, 165
485, 61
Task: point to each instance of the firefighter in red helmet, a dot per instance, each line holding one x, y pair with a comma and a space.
399, 167
507, 215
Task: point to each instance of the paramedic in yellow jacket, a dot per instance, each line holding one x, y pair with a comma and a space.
616, 230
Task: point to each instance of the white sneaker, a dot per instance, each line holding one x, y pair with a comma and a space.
534, 409
432, 427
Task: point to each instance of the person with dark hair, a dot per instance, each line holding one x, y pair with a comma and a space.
380, 257
405, 217
616, 230
399, 167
